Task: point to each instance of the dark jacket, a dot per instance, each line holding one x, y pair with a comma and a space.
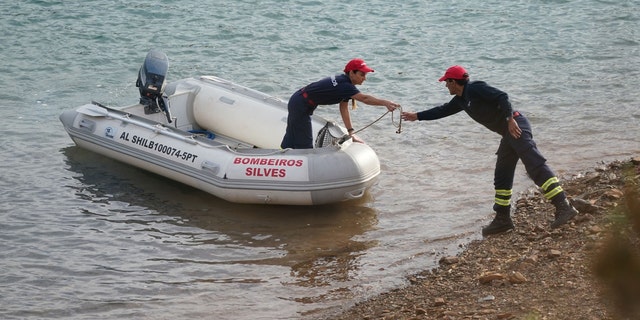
483, 103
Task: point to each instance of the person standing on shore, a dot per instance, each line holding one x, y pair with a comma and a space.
491, 107
330, 90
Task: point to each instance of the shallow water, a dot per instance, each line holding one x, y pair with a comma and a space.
88, 237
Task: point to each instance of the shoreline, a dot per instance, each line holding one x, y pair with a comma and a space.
533, 272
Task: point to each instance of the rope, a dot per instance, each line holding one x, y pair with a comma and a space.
399, 125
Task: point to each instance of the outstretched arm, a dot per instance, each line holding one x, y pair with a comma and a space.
442, 111
373, 101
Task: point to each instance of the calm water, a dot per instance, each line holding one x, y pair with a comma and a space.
86, 237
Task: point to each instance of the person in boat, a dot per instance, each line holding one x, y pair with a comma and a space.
330, 90
491, 107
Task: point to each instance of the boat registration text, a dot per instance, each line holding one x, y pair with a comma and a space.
159, 147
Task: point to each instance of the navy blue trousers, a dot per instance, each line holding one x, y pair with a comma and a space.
524, 148
298, 134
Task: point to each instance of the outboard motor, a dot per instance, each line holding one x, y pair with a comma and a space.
151, 81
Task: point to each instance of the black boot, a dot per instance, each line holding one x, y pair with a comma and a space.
564, 212
501, 223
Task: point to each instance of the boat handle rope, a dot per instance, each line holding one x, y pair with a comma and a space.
269, 153
399, 125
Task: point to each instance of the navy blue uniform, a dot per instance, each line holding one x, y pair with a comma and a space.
491, 108
330, 90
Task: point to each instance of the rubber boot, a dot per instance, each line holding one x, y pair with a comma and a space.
564, 212
501, 223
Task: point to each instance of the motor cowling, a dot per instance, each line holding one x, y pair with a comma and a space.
151, 82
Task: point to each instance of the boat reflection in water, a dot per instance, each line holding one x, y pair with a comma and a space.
171, 235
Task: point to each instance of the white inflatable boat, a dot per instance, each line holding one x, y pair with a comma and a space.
224, 139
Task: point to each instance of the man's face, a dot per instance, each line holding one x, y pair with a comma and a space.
454, 87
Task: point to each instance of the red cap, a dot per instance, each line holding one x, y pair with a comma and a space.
455, 72
357, 64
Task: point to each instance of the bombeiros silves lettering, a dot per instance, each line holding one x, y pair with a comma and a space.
268, 167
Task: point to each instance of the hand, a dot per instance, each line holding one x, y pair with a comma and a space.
356, 139
409, 116
514, 128
392, 106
